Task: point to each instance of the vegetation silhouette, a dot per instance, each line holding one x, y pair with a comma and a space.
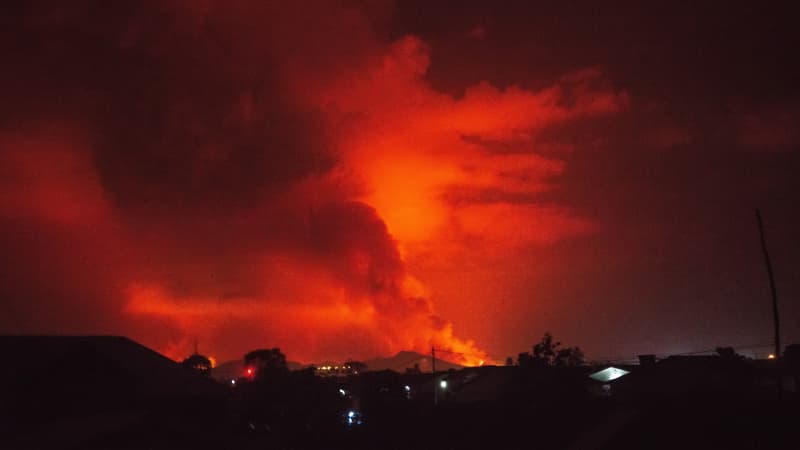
728, 353
548, 353
266, 363
283, 405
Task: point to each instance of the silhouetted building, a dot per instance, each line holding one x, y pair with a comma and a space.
647, 360
686, 374
69, 390
199, 363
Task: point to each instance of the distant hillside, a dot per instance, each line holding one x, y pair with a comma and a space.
406, 360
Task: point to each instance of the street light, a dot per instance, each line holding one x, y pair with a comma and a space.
443, 384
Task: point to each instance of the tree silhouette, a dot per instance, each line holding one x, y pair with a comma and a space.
509, 361
728, 353
548, 353
569, 357
266, 362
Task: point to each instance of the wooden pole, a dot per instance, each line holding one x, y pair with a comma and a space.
435, 387
776, 319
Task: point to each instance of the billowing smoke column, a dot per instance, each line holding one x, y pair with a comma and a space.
257, 175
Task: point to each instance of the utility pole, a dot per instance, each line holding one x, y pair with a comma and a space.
435, 387
771, 286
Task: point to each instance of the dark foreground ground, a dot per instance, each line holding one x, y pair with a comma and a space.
88, 398
311, 414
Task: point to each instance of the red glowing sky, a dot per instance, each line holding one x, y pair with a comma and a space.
351, 179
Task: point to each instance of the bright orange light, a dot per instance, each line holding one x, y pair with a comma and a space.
771, 356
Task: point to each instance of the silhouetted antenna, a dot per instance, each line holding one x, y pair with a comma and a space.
771, 286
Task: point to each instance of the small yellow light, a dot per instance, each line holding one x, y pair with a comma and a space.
771, 356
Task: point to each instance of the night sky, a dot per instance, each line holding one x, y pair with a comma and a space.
350, 179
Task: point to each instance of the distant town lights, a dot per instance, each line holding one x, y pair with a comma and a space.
771, 356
